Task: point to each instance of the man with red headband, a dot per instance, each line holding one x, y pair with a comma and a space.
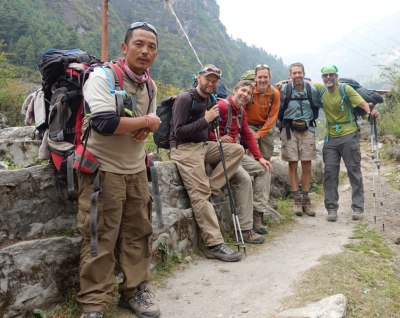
123, 227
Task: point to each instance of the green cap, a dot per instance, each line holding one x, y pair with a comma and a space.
332, 69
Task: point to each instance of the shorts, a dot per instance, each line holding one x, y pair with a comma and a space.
301, 146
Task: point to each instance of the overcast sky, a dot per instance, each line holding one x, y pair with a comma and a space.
289, 26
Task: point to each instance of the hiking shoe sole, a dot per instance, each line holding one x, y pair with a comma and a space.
225, 258
310, 213
258, 241
140, 314
356, 217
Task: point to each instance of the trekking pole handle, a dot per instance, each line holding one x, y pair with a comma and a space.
216, 121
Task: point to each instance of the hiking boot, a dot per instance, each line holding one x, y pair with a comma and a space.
258, 225
297, 208
223, 253
141, 304
357, 215
306, 206
332, 216
252, 237
95, 314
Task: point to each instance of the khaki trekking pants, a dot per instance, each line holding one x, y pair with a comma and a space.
251, 186
124, 237
266, 143
190, 159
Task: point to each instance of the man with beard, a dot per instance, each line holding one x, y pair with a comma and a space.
342, 142
193, 115
250, 180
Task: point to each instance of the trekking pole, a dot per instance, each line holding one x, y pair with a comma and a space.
378, 165
235, 218
371, 134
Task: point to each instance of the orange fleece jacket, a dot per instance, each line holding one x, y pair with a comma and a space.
257, 111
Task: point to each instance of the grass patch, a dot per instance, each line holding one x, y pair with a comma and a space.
68, 309
168, 262
286, 211
365, 273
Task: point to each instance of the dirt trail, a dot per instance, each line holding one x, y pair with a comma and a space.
254, 286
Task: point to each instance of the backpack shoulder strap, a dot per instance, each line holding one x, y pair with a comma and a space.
322, 91
343, 93
288, 96
229, 120
309, 95
271, 97
118, 79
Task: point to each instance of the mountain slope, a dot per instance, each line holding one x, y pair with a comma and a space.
30, 27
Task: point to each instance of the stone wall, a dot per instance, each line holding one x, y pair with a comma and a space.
39, 244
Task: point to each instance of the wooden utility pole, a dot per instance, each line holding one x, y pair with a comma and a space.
104, 31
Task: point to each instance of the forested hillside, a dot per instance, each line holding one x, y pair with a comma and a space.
27, 28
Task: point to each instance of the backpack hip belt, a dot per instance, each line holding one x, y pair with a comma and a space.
294, 125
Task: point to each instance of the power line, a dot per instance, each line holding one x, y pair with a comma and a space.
368, 54
183, 30
365, 37
382, 33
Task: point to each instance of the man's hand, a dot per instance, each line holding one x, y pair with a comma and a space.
375, 113
211, 114
266, 164
255, 135
154, 122
227, 139
140, 134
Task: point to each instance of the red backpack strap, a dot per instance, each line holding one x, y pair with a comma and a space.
119, 84
119, 81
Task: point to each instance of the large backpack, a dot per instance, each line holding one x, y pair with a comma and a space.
63, 72
369, 96
63, 75
288, 98
164, 112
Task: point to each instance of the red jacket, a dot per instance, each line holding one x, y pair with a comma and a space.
246, 136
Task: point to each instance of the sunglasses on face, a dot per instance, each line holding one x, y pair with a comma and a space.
212, 69
328, 75
258, 66
137, 25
